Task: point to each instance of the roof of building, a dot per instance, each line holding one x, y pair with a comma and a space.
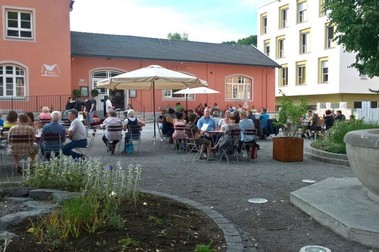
131, 47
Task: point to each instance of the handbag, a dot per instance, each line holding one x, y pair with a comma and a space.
129, 148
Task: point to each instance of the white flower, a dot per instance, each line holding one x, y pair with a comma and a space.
112, 194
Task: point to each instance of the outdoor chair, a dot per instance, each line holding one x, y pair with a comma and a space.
180, 138
44, 121
231, 146
248, 145
113, 133
191, 146
134, 132
22, 147
163, 138
51, 143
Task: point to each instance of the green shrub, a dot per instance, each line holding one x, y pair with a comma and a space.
333, 139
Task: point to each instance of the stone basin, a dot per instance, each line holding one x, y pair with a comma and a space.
362, 147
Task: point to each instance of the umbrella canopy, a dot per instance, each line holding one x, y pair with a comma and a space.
151, 78
198, 90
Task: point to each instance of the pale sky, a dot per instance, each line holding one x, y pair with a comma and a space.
212, 21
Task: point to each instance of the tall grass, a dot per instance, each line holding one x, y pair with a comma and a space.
333, 139
103, 188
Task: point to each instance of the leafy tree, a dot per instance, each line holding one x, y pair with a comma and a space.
178, 36
357, 30
251, 40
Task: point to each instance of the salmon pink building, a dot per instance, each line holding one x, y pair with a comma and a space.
42, 62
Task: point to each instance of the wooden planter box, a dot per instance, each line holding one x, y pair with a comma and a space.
287, 149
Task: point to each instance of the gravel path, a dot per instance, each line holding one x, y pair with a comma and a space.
276, 226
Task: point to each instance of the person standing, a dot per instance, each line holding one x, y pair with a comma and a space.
90, 108
77, 134
108, 105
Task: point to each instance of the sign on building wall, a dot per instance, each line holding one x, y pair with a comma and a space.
50, 70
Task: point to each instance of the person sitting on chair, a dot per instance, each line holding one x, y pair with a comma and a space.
111, 138
54, 127
77, 134
205, 142
131, 120
30, 148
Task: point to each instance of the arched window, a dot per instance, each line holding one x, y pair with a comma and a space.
100, 75
238, 87
12, 81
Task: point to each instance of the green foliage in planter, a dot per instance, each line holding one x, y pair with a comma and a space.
289, 116
333, 139
76, 93
94, 92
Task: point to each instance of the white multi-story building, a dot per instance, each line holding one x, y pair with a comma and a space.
298, 36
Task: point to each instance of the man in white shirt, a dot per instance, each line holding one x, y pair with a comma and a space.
108, 105
112, 136
78, 135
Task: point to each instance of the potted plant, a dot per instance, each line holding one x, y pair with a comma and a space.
76, 93
94, 92
289, 147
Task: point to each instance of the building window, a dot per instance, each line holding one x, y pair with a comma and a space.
374, 104
19, 24
238, 88
323, 72
280, 47
305, 41
322, 105
301, 69
322, 12
357, 104
283, 17
335, 105
283, 76
329, 36
301, 11
264, 23
267, 47
100, 75
169, 94
12, 81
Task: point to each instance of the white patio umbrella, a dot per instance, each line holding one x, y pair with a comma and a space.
197, 90
152, 78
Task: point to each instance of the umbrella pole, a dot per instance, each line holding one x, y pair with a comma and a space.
155, 122
186, 101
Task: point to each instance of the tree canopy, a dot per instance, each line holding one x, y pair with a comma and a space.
178, 36
251, 40
357, 30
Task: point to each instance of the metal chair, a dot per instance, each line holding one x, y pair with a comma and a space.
113, 133
192, 146
231, 146
51, 142
21, 146
134, 132
163, 138
180, 137
44, 121
250, 134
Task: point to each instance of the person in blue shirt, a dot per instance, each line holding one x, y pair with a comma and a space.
264, 117
206, 119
